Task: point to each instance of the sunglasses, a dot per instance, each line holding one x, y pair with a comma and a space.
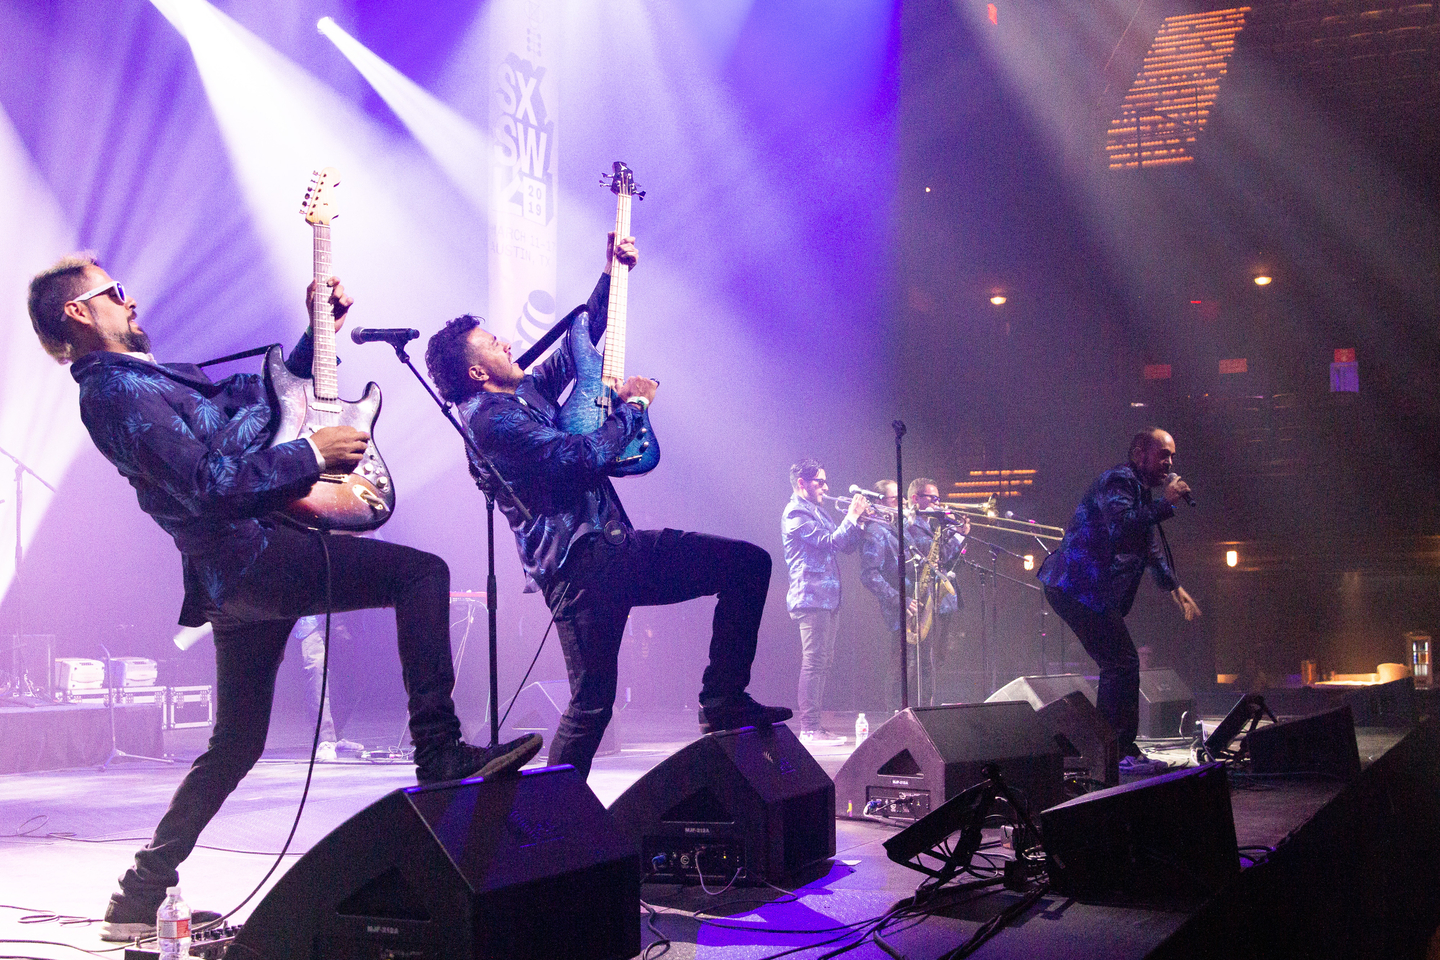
114, 288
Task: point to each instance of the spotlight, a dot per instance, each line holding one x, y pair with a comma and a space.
998, 299
1263, 280
325, 25
927, 189
1029, 561
1232, 558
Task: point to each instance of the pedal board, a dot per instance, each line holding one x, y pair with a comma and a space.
209, 944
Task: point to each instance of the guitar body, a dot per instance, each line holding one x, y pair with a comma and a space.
348, 502
592, 399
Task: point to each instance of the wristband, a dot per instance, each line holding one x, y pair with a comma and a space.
644, 403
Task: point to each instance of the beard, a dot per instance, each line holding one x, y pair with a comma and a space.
136, 341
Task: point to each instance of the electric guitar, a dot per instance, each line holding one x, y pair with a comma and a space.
598, 375
364, 498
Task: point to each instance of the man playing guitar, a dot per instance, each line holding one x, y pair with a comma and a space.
198, 454
579, 546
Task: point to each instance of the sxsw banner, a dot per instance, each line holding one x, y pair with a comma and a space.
523, 113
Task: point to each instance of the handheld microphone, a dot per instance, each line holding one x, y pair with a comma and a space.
1184, 496
869, 494
395, 336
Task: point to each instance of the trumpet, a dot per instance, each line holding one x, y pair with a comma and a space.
875, 511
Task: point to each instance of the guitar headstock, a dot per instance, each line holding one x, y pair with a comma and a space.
318, 206
622, 181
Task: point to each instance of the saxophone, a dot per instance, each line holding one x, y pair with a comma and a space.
931, 588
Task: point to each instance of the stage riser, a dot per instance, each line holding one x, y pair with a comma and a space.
62, 737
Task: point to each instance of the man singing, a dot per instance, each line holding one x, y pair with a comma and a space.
1091, 579
812, 541
579, 547
199, 457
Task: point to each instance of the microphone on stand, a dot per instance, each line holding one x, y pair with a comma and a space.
395, 336
1184, 496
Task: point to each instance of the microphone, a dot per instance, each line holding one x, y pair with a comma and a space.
395, 336
1184, 496
868, 494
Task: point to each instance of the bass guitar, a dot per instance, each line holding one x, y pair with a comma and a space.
364, 498
599, 374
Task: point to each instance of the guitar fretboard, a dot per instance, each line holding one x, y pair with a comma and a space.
613, 371
322, 319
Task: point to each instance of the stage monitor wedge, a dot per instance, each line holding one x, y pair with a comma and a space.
526, 867
1323, 744
1041, 690
923, 756
1165, 699
748, 805
1171, 835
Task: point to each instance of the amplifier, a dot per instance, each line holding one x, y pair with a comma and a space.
78, 673
132, 672
190, 707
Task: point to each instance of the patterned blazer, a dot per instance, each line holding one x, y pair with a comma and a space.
196, 453
812, 540
879, 567
558, 475
1110, 541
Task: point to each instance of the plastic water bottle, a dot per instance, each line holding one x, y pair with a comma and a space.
862, 729
172, 926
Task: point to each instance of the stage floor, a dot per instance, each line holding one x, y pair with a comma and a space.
65, 836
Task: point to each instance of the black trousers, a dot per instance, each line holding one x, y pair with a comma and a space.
591, 596
1106, 638
251, 627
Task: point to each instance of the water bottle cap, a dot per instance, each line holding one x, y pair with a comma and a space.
172, 891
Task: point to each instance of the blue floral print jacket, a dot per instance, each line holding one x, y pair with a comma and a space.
196, 453
1110, 541
558, 475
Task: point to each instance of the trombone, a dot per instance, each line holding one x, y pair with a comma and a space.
986, 516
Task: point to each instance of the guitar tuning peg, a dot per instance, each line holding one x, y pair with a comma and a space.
640, 195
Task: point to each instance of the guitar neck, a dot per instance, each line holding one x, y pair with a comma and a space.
619, 289
322, 319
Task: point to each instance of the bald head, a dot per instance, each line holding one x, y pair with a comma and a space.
1152, 454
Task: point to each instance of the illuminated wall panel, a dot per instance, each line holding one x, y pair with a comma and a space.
1169, 103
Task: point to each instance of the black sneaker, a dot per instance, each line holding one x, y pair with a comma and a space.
742, 711
460, 760
130, 918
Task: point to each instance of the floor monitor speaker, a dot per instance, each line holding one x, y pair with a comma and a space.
1067, 703
1038, 691
923, 756
1164, 702
747, 805
511, 867
1168, 835
1324, 744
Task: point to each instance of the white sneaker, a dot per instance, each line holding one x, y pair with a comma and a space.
1142, 766
325, 753
821, 737
348, 748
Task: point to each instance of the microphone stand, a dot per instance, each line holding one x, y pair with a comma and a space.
22, 682
489, 490
110, 697
899, 427
990, 627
